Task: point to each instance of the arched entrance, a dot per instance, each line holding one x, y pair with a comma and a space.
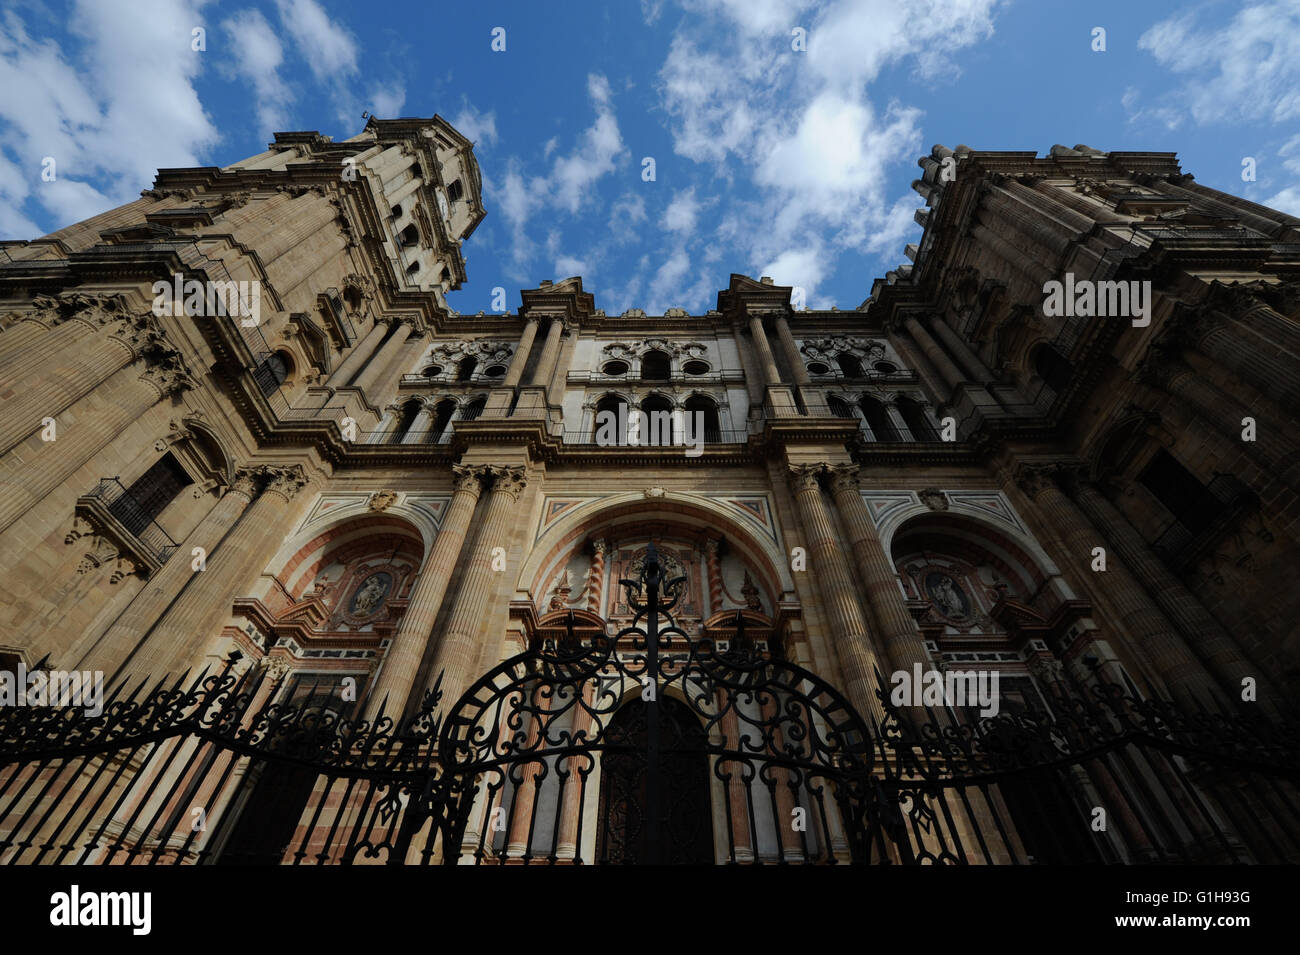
687, 833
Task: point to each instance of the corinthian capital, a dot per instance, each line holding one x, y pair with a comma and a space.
845, 477
285, 481
1033, 479
510, 480
804, 477
466, 477
165, 371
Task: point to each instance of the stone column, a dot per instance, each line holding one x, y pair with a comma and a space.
1211, 643
23, 338
550, 351
457, 652
964, 353
119, 640
714, 569
381, 359
26, 482
894, 626
596, 580
765, 360
921, 365
1277, 376
516, 370
180, 636
407, 650
849, 632
418, 432
938, 357
1156, 638
361, 353
398, 366
86, 361
792, 355
1268, 323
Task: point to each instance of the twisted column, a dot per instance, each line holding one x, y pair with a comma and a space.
407, 649
849, 632
714, 569
895, 627
456, 650
596, 581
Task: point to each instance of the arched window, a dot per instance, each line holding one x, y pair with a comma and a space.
878, 419
466, 370
1181, 492
271, 373
473, 409
409, 236
839, 407
659, 420
410, 411
1054, 368
441, 418
150, 494
850, 365
705, 406
610, 418
655, 366
454, 191
917, 422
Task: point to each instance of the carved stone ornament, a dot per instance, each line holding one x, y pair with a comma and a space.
934, 499
655, 492
382, 500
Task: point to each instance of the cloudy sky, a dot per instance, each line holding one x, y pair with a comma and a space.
784, 134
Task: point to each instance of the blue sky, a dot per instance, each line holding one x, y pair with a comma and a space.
768, 160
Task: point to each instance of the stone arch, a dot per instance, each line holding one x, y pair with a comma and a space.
297, 565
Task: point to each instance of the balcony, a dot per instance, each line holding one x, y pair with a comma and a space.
1181, 546
117, 516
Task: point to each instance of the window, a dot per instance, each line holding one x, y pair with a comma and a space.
917, 422
441, 418
696, 367
466, 370
614, 368
473, 409
878, 419
658, 420
698, 404
819, 368
433, 371
413, 268
1180, 492
409, 236
455, 191
271, 374
839, 407
885, 367
1053, 367
410, 411
850, 365
150, 494
655, 366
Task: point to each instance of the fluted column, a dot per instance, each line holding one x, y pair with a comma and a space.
418, 432
550, 351
20, 338
119, 640
894, 626
1277, 376
849, 634
938, 357
1211, 643
792, 356
765, 359
1157, 639
1269, 323
596, 580
27, 481
456, 650
972, 362
412, 637
176, 640
381, 359
85, 361
516, 370
360, 354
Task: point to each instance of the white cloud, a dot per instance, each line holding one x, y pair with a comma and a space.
256, 56
1288, 201
682, 212
111, 110
1248, 69
479, 128
330, 51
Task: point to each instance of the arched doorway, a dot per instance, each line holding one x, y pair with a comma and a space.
686, 830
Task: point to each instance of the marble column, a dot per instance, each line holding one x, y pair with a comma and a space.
516, 371
95, 424
1211, 643
1157, 639
714, 570
183, 632
119, 640
360, 354
380, 361
457, 650
402, 664
764, 349
849, 634
894, 626
596, 580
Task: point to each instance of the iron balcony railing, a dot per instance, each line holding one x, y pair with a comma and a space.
1181, 546
134, 518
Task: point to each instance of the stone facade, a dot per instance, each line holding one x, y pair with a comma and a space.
367, 484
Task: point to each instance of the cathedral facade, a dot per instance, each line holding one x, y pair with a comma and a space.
245, 433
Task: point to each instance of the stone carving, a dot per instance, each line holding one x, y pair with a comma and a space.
750, 593
382, 500
947, 595
826, 349
468, 478
933, 498
805, 477
511, 480
370, 595
485, 351
285, 481
655, 492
